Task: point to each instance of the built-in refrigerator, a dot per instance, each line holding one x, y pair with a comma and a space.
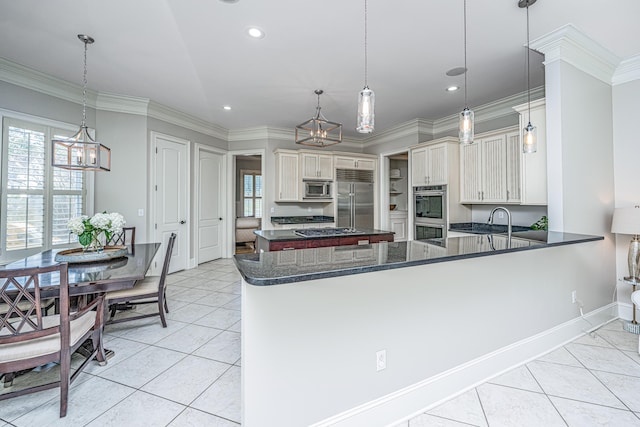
355, 198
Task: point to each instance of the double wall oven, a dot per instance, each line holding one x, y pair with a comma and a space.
430, 210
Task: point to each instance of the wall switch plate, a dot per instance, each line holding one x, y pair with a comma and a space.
500, 214
140, 212
574, 297
381, 360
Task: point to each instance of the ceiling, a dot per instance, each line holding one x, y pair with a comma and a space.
194, 55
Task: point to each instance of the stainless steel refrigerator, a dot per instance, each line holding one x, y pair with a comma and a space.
355, 198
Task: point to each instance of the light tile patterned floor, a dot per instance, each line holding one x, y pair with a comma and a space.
188, 374
593, 381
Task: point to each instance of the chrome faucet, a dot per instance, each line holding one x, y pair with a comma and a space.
490, 221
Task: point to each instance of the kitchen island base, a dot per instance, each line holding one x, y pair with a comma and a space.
309, 347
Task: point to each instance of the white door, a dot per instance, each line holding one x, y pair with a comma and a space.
171, 207
210, 184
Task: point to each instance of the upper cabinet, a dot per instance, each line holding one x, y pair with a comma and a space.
534, 165
349, 162
490, 168
316, 166
429, 165
287, 176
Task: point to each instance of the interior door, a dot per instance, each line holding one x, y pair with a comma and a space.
210, 181
171, 188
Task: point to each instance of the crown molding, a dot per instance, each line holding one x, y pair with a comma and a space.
31, 79
571, 45
274, 133
122, 104
178, 118
491, 111
627, 71
410, 128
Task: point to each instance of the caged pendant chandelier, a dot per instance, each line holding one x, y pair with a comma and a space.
81, 151
318, 131
529, 140
366, 98
465, 127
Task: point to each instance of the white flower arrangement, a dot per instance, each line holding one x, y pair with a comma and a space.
89, 228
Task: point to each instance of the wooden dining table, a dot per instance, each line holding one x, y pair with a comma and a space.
93, 277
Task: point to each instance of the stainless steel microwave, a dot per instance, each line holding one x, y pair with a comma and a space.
317, 189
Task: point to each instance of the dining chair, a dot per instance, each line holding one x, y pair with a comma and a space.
150, 290
126, 237
29, 338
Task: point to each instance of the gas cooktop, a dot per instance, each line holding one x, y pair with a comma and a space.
325, 232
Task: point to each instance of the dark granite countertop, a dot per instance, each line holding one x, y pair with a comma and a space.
308, 219
274, 268
286, 235
483, 228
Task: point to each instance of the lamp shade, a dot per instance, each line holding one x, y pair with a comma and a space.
626, 220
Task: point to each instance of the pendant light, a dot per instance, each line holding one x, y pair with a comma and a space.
465, 128
366, 98
529, 140
318, 131
81, 151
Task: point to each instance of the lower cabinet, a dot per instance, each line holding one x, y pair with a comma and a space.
285, 245
398, 224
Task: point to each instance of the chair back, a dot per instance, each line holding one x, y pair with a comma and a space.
167, 260
20, 294
126, 237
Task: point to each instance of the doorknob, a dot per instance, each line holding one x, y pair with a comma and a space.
183, 222
220, 218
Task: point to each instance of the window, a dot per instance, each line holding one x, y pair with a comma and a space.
252, 193
37, 199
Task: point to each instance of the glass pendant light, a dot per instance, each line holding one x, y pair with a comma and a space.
529, 140
366, 98
465, 130
81, 151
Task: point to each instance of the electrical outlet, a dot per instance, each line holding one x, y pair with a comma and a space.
273, 210
574, 297
500, 214
381, 360
140, 212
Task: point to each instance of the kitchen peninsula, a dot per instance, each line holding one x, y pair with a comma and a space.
444, 315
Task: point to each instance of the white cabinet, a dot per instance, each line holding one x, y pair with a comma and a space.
429, 165
316, 166
398, 224
348, 162
534, 165
287, 176
490, 168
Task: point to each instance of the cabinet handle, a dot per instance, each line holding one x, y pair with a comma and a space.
507, 194
482, 195
479, 196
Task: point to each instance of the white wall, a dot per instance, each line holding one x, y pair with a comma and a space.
626, 155
125, 188
309, 348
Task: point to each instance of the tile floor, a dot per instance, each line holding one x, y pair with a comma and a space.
189, 374
593, 381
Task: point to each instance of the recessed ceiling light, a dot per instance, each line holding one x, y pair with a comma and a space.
227, 107
255, 32
456, 71
452, 88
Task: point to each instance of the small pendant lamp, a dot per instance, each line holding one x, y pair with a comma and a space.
366, 98
465, 128
529, 140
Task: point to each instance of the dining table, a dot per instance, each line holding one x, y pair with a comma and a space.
88, 278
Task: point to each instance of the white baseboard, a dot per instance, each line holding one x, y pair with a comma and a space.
424, 395
625, 310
